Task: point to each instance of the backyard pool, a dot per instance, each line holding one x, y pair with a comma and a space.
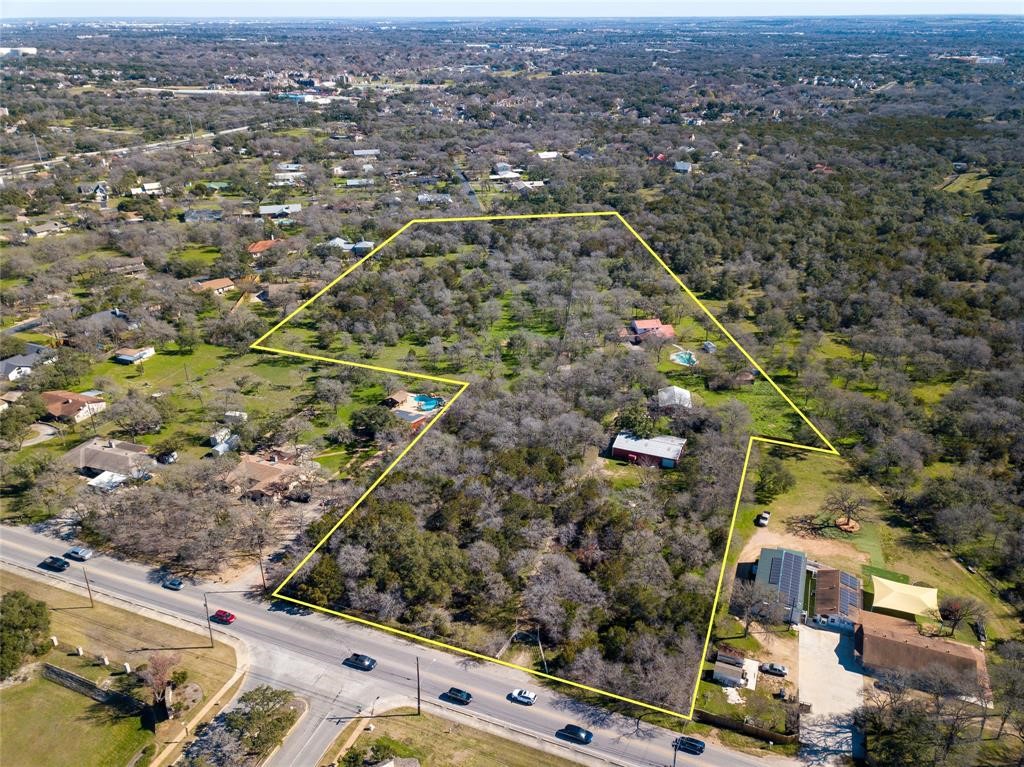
685, 358
426, 403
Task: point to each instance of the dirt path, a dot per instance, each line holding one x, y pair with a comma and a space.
838, 553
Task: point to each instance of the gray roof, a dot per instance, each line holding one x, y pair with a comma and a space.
664, 446
275, 210
34, 355
100, 454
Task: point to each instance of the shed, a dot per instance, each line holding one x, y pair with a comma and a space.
674, 396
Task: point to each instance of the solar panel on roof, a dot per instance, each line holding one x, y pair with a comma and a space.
848, 580
775, 571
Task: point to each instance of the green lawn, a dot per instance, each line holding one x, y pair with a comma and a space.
46, 725
975, 181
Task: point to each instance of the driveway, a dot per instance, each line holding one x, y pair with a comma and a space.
40, 433
832, 683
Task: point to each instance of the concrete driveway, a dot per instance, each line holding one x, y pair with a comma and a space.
832, 683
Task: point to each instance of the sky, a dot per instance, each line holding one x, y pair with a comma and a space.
489, 8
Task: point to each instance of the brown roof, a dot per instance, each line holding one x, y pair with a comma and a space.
893, 643
262, 245
827, 590
65, 404
255, 474
217, 284
102, 454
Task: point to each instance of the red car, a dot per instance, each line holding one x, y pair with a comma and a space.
223, 616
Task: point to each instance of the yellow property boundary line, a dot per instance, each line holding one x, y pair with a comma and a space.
463, 385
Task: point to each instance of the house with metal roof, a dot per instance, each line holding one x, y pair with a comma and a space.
784, 570
837, 599
663, 450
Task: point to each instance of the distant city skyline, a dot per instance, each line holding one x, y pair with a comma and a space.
441, 9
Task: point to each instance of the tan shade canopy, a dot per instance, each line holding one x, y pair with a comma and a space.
903, 598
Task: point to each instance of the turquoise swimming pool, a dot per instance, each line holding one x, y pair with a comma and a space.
684, 358
426, 403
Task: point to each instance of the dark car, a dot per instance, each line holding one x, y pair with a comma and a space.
979, 631
360, 661
688, 744
576, 734
223, 616
456, 695
174, 584
57, 564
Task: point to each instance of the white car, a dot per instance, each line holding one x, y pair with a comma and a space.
81, 553
525, 697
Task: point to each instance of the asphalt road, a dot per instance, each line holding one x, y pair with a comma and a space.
303, 652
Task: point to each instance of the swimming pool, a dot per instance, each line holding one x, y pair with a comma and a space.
427, 403
685, 358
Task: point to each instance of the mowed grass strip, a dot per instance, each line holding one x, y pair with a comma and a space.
438, 742
46, 725
122, 636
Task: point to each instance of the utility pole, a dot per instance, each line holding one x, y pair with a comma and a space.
543, 659
209, 625
88, 586
418, 698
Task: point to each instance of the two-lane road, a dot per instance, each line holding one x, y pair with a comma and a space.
303, 652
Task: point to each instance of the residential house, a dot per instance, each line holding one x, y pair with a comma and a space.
884, 643
20, 365
152, 189
674, 396
663, 450
280, 211
222, 434
70, 407
110, 462
107, 323
837, 599
129, 356
220, 285
227, 446
203, 216
640, 330
729, 670
45, 230
259, 478
359, 182
233, 417
365, 152
547, 155
131, 267
783, 571
262, 246
290, 167
430, 198
362, 248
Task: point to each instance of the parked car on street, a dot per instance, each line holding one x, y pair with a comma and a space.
174, 584
459, 696
762, 519
223, 616
576, 734
361, 662
525, 697
688, 744
81, 553
774, 669
57, 564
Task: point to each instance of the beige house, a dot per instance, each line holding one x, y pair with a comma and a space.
70, 407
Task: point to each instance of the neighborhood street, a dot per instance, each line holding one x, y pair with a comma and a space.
303, 653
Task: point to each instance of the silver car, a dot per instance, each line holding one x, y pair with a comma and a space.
79, 553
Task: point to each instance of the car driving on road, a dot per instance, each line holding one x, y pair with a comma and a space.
459, 696
223, 616
174, 584
361, 662
81, 553
688, 744
57, 564
525, 697
576, 734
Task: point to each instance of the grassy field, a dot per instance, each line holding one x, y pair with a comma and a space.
46, 725
121, 635
437, 742
975, 181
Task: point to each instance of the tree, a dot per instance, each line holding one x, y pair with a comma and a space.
24, 624
843, 503
262, 718
158, 673
755, 601
954, 610
773, 479
635, 418
136, 415
367, 421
